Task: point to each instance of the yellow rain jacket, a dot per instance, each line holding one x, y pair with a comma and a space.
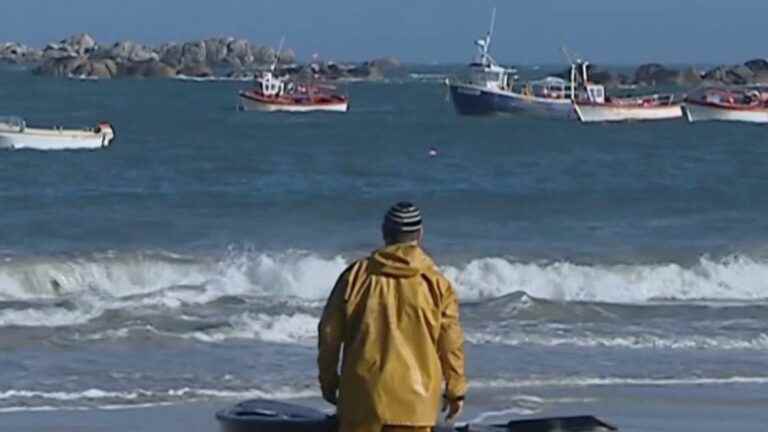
397, 318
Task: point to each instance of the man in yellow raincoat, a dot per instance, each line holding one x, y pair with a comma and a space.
396, 319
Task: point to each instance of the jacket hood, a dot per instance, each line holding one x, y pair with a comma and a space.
403, 260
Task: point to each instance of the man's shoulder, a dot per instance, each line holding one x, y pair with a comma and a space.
433, 273
355, 267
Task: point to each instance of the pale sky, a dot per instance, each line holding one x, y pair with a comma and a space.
527, 31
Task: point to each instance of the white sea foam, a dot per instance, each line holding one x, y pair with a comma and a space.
297, 329
616, 381
99, 283
301, 329
49, 317
638, 341
523, 405
156, 396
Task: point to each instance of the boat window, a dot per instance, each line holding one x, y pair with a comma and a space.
596, 93
486, 76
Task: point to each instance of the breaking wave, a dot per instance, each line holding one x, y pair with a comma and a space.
67, 291
307, 275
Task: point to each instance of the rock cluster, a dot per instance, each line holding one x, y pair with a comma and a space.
377, 69
753, 72
82, 56
16, 53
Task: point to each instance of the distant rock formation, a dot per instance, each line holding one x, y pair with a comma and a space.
656, 74
16, 53
752, 72
80, 55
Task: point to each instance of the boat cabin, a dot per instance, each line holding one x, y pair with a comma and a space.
271, 86
491, 77
550, 87
485, 72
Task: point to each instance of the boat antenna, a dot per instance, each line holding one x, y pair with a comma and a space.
277, 55
574, 60
493, 25
483, 44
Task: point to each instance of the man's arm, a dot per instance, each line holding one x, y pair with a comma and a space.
451, 348
330, 336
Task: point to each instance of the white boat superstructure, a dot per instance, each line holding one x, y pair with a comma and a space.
14, 134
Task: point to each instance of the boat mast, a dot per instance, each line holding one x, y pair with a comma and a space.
273, 66
484, 44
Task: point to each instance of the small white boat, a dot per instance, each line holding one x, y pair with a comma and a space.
14, 134
654, 107
597, 107
747, 105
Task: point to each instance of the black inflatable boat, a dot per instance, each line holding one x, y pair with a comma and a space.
271, 416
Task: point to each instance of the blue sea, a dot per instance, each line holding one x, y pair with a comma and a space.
618, 270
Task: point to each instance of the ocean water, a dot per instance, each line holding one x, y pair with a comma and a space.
618, 270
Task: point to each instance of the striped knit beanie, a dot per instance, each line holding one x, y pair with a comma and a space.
404, 217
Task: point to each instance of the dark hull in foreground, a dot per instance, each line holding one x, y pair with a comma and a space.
272, 416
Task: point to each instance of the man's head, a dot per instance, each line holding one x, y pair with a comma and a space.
402, 224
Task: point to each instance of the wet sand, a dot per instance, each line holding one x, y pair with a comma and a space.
632, 408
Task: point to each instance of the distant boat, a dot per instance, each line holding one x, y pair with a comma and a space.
273, 93
491, 89
14, 134
597, 107
749, 105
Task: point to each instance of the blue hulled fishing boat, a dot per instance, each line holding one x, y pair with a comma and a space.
488, 88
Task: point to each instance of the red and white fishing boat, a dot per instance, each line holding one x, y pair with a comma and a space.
595, 106
718, 104
273, 93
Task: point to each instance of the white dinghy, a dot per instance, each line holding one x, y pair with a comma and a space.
14, 134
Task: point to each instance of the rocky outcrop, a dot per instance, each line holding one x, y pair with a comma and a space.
751, 72
759, 68
196, 71
150, 68
81, 44
82, 56
132, 52
656, 74
16, 53
690, 77
757, 65
729, 75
